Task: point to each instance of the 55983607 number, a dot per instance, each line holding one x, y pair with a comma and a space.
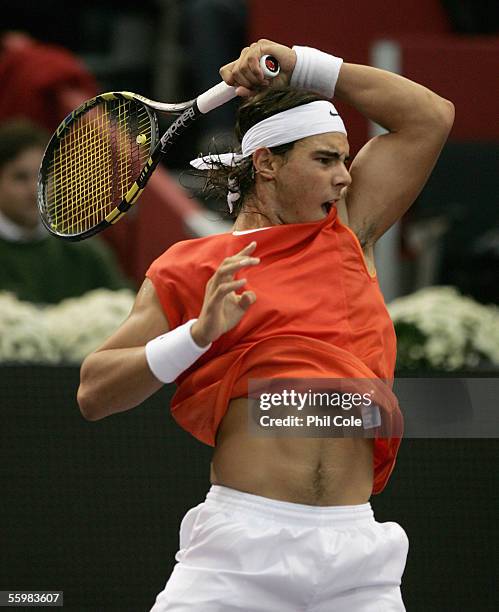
31, 598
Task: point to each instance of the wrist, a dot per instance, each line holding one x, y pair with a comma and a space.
174, 352
198, 335
315, 70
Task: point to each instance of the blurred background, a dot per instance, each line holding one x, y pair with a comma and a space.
171, 50
93, 508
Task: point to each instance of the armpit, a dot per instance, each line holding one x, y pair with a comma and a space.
365, 234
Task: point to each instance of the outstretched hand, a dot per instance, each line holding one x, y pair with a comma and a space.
246, 74
223, 308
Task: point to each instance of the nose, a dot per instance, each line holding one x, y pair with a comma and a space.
341, 177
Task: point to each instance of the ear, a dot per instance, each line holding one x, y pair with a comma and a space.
266, 163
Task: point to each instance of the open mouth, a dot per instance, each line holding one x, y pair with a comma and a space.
326, 207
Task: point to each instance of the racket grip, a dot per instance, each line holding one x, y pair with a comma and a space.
222, 93
215, 96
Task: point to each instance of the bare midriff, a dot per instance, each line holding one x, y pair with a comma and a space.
301, 470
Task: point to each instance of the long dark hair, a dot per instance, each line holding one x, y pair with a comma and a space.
250, 112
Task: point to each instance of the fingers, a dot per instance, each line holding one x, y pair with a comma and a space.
225, 288
246, 74
222, 282
226, 74
244, 92
245, 71
231, 265
246, 299
249, 248
226, 271
241, 259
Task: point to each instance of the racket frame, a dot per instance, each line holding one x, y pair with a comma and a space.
188, 112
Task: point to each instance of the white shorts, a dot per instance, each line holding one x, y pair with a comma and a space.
242, 552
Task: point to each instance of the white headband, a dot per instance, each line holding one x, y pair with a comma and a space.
293, 124
310, 119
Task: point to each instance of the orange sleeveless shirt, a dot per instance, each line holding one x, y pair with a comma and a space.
318, 314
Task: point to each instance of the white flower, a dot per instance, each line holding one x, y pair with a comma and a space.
66, 332
453, 331
458, 332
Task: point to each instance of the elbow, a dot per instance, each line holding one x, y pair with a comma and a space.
433, 120
448, 114
436, 122
87, 401
88, 407
443, 116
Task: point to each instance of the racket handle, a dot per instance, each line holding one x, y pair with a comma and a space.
215, 96
222, 93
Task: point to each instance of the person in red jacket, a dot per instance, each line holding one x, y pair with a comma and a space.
41, 82
291, 293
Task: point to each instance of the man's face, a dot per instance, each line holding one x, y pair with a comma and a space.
311, 178
18, 181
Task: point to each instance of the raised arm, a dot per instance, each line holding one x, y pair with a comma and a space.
390, 170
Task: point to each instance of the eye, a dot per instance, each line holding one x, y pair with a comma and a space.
324, 160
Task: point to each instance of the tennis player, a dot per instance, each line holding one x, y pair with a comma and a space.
291, 292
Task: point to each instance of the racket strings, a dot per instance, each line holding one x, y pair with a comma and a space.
95, 164
111, 173
81, 158
86, 153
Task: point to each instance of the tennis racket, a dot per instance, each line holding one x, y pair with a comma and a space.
101, 156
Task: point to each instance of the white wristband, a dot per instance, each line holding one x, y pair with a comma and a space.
172, 353
315, 70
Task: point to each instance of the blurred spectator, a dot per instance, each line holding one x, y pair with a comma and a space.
36, 266
39, 81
